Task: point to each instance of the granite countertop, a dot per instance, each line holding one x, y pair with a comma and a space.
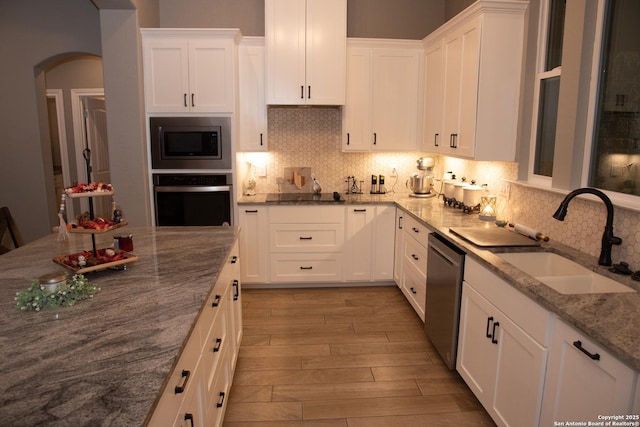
105, 360
612, 320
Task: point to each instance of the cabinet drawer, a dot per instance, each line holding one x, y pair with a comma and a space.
523, 311
182, 378
314, 267
416, 229
416, 255
215, 401
306, 237
215, 344
414, 286
306, 214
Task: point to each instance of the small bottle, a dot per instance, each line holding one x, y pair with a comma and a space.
374, 184
381, 188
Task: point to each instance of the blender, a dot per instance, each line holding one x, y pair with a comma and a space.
421, 183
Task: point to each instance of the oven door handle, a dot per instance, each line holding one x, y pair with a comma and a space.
190, 189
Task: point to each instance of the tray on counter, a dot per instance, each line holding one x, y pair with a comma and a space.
120, 257
82, 230
100, 193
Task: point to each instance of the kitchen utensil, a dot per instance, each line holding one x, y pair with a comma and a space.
471, 195
458, 190
420, 184
317, 188
529, 232
449, 187
493, 237
425, 163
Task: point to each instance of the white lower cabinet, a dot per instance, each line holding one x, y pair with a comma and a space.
502, 353
317, 244
399, 239
254, 243
369, 254
411, 275
584, 381
306, 243
198, 387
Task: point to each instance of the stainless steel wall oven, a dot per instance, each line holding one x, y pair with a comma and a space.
193, 199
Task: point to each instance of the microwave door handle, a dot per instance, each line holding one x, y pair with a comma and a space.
191, 189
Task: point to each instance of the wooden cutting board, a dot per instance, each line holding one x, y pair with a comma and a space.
493, 237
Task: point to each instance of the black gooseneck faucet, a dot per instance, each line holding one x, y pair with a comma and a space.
608, 239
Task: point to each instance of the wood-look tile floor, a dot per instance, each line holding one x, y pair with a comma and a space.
348, 357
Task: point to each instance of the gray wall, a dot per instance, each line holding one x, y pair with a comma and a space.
401, 19
37, 33
31, 42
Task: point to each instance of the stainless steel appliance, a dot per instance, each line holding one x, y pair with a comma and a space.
192, 199
445, 266
190, 142
421, 184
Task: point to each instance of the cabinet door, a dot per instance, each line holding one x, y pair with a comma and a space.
517, 397
465, 142
252, 105
580, 386
356, 115
461, 56
394, 102
477, 356
502, 364
285, 51
166, 75
210, 76
399, 242
433, 97
326, 52
254, 244
359, 242
384, 237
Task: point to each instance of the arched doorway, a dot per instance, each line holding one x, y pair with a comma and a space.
76, 114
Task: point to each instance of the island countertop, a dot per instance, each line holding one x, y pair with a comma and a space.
105, 360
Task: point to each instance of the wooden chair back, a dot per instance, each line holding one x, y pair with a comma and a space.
8, 231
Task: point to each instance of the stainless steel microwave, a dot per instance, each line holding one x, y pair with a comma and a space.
190, 142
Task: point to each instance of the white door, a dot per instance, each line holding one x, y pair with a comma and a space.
98, 144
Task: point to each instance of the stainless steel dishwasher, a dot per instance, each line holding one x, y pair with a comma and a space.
445, 265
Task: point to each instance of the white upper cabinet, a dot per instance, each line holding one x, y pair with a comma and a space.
252, 117
306, 51
473, 74
384, 84
189, 70
433, 96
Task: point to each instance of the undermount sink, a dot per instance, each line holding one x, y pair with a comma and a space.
562, 274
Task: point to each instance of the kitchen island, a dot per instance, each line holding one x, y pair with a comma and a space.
105, 360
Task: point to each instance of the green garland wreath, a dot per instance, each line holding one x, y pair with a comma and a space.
37, 297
